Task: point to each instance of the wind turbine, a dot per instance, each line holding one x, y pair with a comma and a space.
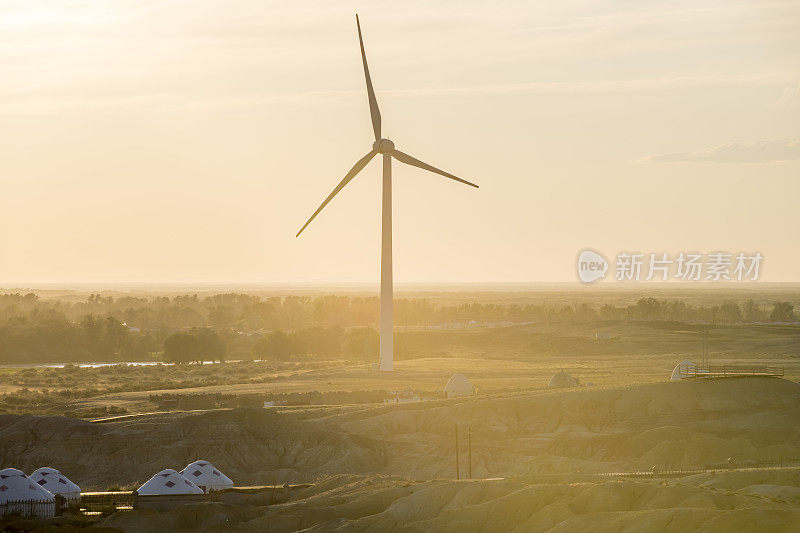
387, 149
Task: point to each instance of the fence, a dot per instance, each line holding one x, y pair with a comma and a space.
721, 371
730, 464
28, 509
98, 502
93, 503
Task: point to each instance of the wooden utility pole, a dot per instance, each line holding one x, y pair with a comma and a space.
469, 441
457, 473
703, 346
704, 337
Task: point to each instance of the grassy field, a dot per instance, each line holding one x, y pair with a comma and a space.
539, 456
495, 359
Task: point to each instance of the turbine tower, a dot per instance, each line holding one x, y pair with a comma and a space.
387, 149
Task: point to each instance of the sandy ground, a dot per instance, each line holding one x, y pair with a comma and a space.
489, 376
384, 503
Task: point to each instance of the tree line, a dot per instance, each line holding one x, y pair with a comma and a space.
190, 328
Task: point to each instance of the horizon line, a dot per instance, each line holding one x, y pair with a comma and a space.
374, 285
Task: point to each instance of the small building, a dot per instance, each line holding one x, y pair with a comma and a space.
168, 482
406, 395
206, 476
562, 380
683, 370
458, 385
20, 495
688, 369
56, 483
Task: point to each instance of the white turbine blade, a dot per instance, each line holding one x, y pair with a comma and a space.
374, 112
350, 175
408, 160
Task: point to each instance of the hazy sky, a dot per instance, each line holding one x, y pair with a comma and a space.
189, 141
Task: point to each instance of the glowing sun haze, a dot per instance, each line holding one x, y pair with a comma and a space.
189, 141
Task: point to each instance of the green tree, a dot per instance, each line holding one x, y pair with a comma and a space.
181, 348
210, 346
362, 344
648, 309
276, 345
585, 313
326, 342
782, 312
677, 310
752, 311
729, 313
117, 337
221, 316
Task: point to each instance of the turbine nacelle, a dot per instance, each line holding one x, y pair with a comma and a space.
383, 146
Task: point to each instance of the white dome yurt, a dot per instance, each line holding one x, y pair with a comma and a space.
15, 486
458, 385
168, 482
683, 370
206, 476
562, 380
56, 482
18, 494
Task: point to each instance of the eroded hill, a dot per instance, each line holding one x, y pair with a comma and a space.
667, 425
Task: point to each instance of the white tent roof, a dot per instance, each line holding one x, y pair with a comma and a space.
15, 486
204, 474
682, 370
168, 482
458, 385
562, 380
55, 482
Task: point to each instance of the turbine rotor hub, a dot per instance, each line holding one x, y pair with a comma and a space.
383, 146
